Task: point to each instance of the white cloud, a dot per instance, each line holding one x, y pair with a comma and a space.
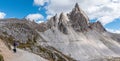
114, 31
67, 5
56, 6
2, 15
106, 19
34, 17
41, 21
40, 2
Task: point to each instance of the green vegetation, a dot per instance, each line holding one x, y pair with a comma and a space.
10, 40
6, 40
52, 54
29, 45
1, 58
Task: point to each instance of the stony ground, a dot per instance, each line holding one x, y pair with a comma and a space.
19, 56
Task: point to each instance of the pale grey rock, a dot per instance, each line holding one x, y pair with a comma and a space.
79, 20
17, 30
62, 24
42, 27
52, 22
58, 39
97, 26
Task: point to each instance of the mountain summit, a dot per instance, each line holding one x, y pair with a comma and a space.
79, 20
76, 8
64, 37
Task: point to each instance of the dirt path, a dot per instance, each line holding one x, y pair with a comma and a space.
19, 56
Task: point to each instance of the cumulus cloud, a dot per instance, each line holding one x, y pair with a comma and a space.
113, 31
40, 2
41, 21
104, 10
106, 19
34, 17
66, 5
59, 6
2, 15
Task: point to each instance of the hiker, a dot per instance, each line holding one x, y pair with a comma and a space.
14, 47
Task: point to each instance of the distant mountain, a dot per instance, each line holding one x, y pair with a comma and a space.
64, 37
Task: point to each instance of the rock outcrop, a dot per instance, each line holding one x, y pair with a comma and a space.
52, 22
17, 30
78, 19
62, 24
97, 26
42, 27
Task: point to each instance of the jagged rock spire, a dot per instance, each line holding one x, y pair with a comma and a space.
77, 7
62, 24
52, 21
63, 18
79, 20
55, 18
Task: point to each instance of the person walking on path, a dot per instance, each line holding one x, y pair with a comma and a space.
14, 47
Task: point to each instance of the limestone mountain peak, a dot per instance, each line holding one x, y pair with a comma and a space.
77, 8
62, 16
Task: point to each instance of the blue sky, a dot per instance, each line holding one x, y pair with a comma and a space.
19, 8
105, 11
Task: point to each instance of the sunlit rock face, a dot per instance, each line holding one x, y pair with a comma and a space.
18, 29
78, 19
62, 24
97, 26
76, 37
64, 37
52, 22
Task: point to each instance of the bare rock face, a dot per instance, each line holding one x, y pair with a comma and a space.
17, 30
62, 24
97, 26
76, 19
79, 21
42, 27
52, 22
69, 46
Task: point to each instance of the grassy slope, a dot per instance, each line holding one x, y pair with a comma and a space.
1, 58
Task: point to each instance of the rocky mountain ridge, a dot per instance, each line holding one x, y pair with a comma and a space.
64, 37
76, 19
